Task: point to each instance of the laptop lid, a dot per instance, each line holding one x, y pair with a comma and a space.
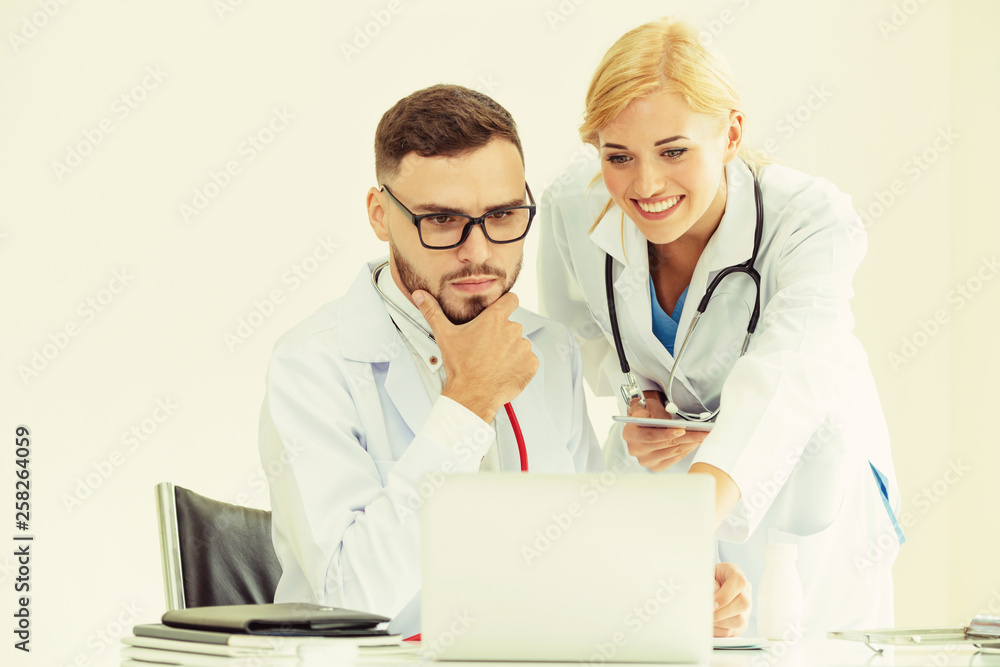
592, 568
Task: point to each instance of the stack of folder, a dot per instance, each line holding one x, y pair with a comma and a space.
260, 635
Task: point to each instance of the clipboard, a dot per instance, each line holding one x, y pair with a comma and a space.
983, 632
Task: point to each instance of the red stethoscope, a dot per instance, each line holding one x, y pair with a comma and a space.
521, 450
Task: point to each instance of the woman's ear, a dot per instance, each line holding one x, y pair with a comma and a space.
376, 214
734, 135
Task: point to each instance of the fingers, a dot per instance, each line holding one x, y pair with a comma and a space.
658, 462
635, 409
732, 600
504, 306
431, 310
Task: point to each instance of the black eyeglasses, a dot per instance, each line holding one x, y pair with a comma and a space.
441, 231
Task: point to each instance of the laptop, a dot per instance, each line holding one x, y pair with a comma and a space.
587, 568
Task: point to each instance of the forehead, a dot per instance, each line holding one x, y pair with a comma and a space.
494, 170
654, 117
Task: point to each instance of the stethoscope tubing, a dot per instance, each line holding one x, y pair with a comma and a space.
630, 390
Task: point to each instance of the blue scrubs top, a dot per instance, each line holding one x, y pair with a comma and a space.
665, 325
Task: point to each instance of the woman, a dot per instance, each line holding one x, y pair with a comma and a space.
799, 450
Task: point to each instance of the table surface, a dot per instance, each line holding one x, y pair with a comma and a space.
811, 653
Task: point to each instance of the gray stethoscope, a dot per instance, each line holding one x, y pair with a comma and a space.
631, 389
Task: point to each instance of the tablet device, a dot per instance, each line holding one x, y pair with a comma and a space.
666, 423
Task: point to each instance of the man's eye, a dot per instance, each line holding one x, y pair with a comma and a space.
442, 219
498, 216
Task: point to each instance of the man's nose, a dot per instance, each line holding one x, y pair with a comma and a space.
477, 248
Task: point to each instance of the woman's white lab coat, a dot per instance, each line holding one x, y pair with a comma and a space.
801, 428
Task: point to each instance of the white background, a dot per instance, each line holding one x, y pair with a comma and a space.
884, 80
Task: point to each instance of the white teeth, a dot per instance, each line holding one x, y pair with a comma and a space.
659, 206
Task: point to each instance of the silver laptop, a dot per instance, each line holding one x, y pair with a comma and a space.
590, 568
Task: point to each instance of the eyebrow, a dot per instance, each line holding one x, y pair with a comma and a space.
658, 143
423, 209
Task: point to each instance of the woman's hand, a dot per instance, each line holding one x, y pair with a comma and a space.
658, 448
732, 600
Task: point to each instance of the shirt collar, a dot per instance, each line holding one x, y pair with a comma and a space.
415, 336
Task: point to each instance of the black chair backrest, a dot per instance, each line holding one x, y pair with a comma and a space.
226, 552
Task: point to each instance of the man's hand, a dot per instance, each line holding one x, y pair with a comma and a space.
487, 361
658, 448
732, 600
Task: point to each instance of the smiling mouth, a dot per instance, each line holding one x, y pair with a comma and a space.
659, 206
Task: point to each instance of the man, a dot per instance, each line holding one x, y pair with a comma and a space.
408, 372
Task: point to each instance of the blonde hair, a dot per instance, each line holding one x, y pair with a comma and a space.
665, 55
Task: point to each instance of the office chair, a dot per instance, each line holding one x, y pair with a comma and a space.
213, 553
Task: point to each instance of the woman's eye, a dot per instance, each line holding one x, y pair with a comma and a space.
674, 153
618, 159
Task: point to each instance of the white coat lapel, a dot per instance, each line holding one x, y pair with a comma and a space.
373, 338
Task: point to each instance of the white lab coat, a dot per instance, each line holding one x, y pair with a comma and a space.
341, 441
801, 418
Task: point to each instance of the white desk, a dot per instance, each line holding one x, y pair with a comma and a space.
809, 653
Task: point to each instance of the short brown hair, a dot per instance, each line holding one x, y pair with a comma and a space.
444, 120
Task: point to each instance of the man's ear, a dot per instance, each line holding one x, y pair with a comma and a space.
377, 213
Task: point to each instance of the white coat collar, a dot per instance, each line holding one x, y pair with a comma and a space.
732, 242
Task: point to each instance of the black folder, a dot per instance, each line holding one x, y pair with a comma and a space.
285, 618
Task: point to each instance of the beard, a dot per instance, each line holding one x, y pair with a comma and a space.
467, 308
